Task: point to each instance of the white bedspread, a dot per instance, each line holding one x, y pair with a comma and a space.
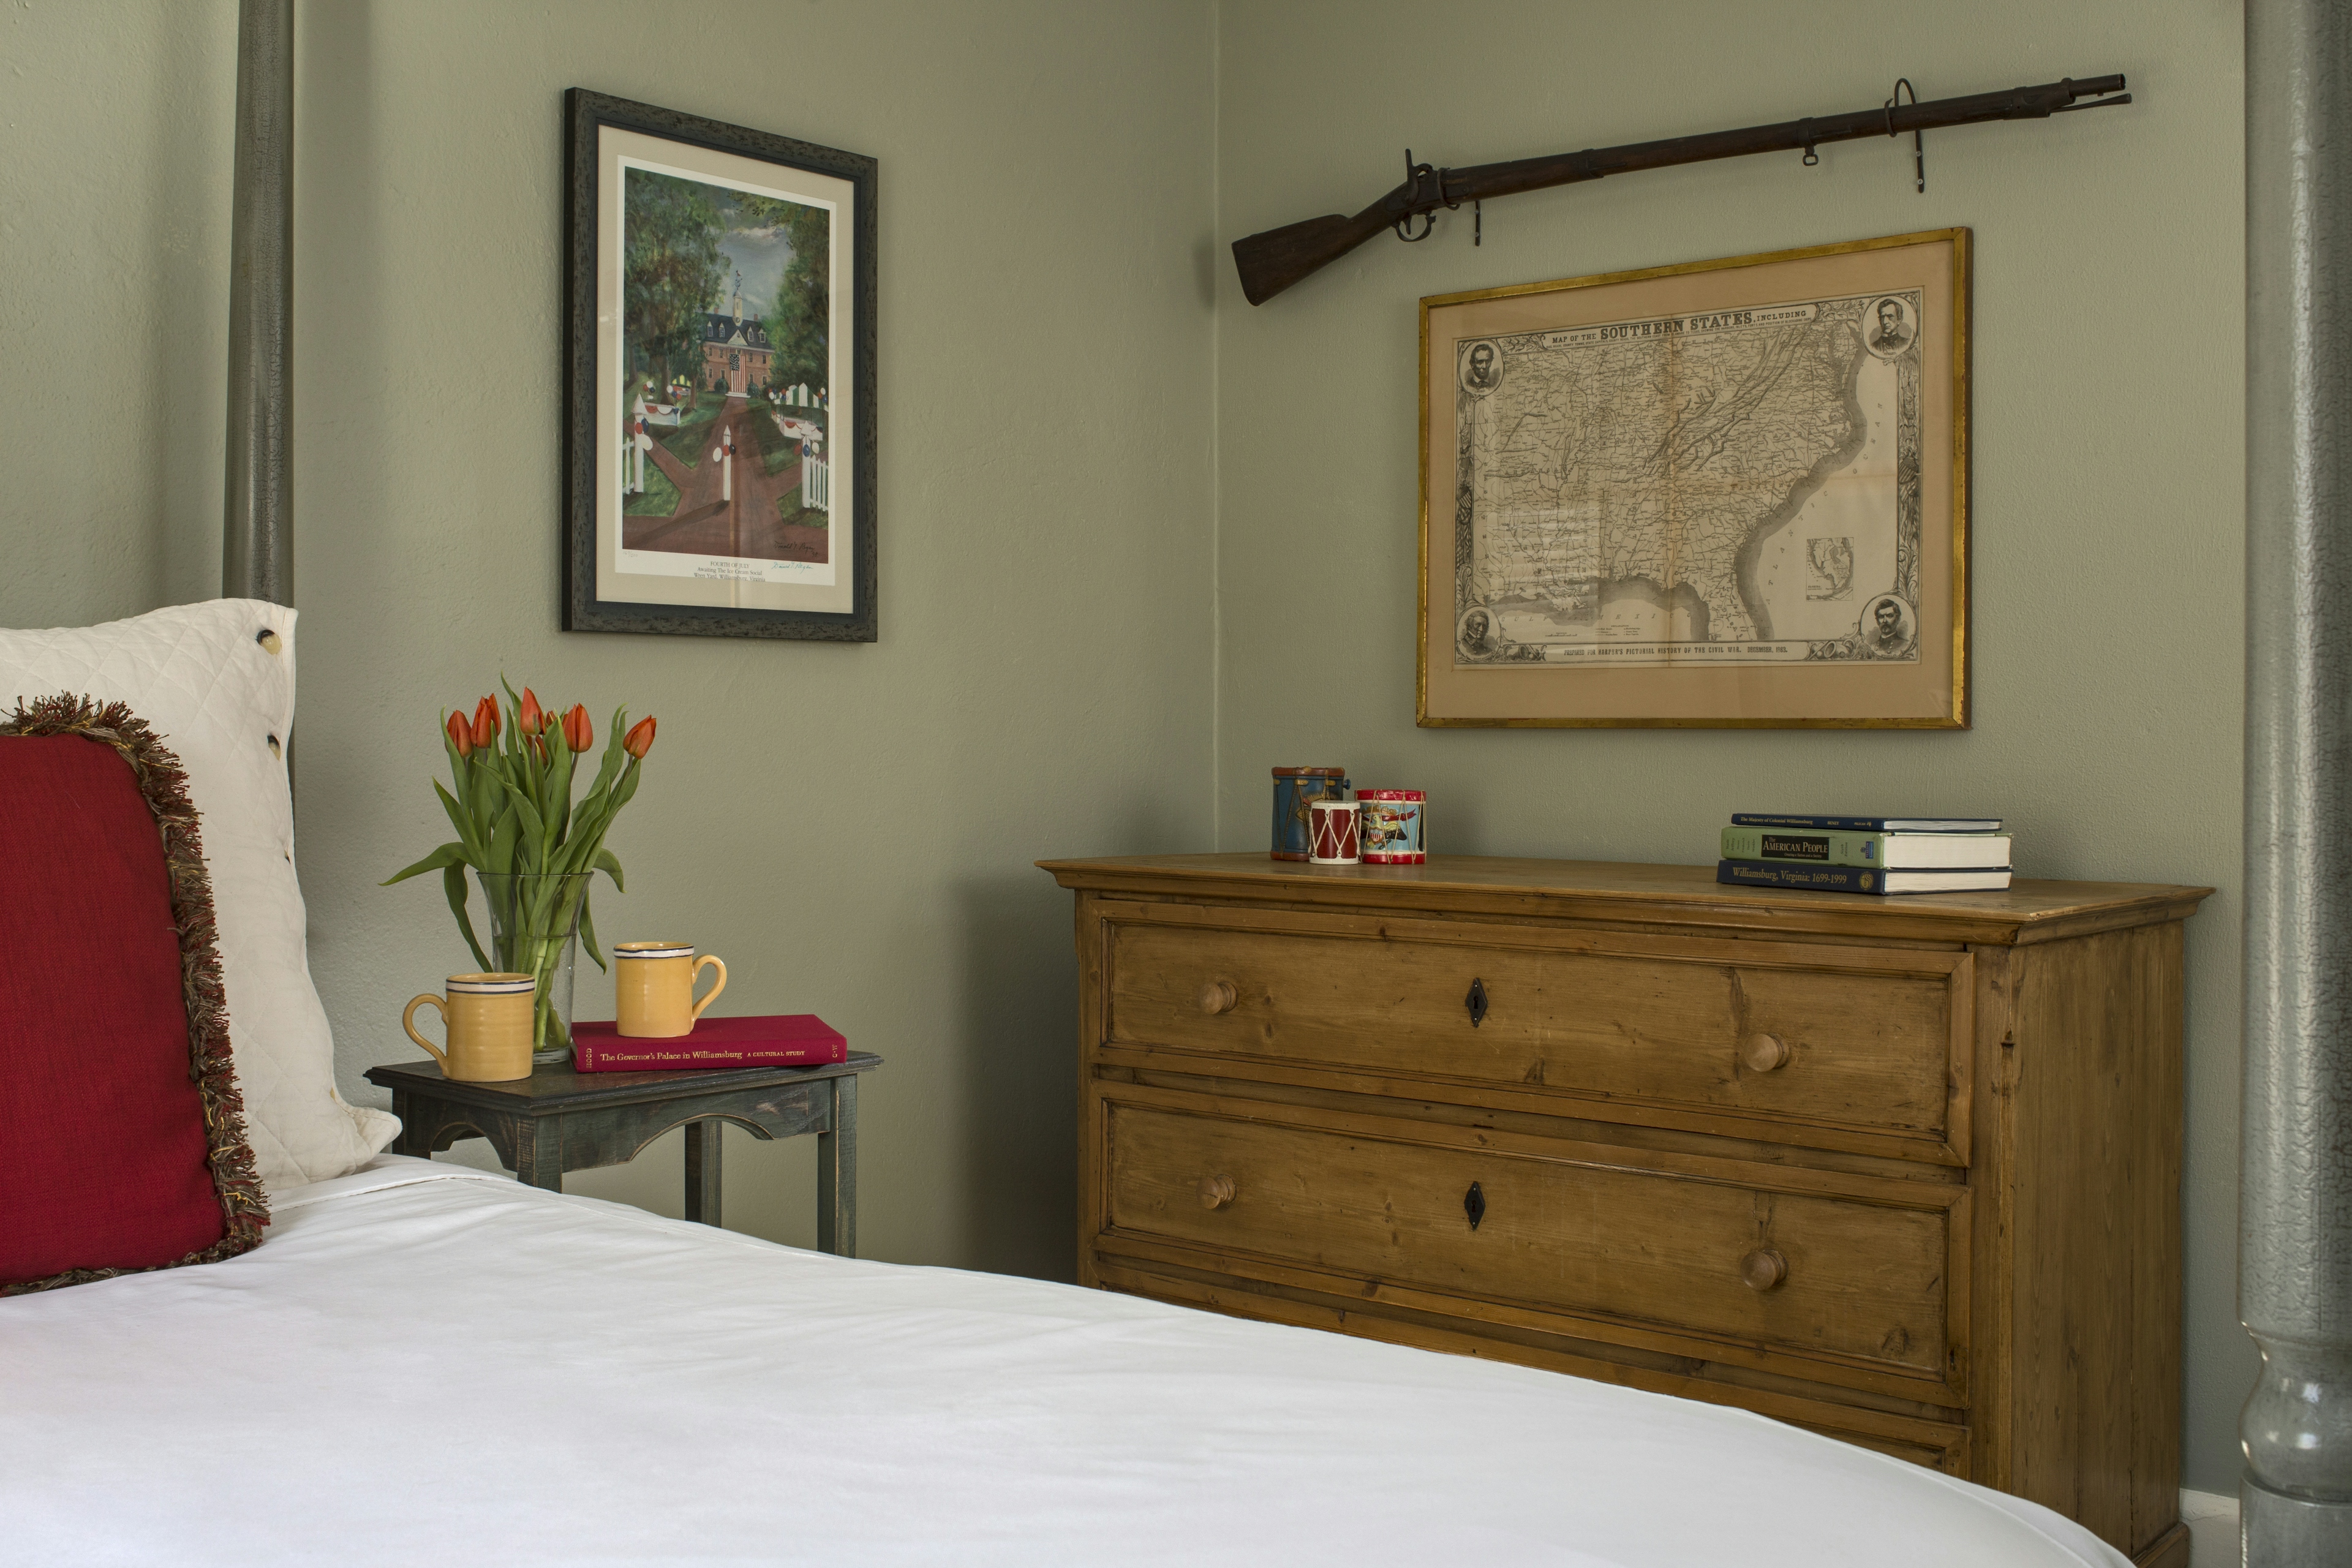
426, 1364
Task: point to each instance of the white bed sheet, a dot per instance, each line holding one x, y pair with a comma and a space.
423, 1362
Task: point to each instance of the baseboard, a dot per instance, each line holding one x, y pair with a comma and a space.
2212, 1521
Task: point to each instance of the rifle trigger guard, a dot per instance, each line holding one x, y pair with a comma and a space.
1417, 172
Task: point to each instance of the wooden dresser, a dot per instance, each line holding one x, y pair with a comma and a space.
1902, 1170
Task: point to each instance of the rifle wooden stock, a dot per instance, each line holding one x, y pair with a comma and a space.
1273, 260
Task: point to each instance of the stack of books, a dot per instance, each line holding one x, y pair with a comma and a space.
793, 1040
1865, 853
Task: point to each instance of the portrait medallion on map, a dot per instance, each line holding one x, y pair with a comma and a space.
1727, 493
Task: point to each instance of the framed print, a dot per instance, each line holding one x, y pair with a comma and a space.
719, 379
1727, 493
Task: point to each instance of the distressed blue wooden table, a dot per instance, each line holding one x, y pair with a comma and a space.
557, 1121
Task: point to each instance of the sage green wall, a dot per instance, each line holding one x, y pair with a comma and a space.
851, 827
114, 146
2106, 513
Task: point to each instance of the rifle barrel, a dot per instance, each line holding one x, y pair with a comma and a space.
1273, 260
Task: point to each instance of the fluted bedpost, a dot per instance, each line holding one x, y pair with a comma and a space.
2294, 1255
258, 535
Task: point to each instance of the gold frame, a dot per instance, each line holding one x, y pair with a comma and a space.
1958, 715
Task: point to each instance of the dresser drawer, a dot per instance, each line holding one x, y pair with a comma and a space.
1846, 1282
1791, 1036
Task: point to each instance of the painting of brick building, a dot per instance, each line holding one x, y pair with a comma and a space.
726, 307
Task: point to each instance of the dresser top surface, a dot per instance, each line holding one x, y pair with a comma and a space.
2029, 911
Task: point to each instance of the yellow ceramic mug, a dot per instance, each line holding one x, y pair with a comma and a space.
653, 988
487, 1020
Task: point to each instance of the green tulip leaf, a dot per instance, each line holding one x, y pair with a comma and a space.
453, 883
526, 813
588, 932
447, 856
461, 822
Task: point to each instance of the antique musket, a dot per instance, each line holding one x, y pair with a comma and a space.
1271, 261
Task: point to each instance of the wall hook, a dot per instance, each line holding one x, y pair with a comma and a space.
1918, 138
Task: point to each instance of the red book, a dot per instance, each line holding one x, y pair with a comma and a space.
788, 1040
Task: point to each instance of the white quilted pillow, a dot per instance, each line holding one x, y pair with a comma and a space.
222, 696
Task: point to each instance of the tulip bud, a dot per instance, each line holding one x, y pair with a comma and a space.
459, 736
640, 738
529, 717
579, 733
486, 723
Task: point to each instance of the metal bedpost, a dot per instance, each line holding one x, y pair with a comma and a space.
2295, 1217
257, 527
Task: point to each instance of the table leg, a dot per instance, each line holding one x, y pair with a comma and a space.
836, 1172
539, 1153
410, 1141
702, 1169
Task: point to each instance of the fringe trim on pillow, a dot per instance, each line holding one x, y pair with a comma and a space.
163, 783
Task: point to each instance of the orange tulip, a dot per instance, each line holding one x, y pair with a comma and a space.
459, 736
579, 733
640, 738
486, 723
530, 717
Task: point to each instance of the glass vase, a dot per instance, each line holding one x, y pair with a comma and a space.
535, 930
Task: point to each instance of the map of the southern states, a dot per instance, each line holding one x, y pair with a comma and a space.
1733, 487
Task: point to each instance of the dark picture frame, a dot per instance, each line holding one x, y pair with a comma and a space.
740, 554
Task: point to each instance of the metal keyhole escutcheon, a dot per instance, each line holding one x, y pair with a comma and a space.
1474, 1204
1476, 1002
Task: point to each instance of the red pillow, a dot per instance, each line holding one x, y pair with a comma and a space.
122, 1133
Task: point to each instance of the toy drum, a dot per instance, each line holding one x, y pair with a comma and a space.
1332, 833
1294, 790
1392, 826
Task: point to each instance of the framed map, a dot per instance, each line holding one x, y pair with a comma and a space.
1727, 493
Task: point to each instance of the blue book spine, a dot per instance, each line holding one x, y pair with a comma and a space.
1798, 874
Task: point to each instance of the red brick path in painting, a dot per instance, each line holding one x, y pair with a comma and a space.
749, 525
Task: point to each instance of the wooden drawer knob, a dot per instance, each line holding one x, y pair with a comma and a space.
1762, 1053
1218, 996
1216, 1192
1763, 1269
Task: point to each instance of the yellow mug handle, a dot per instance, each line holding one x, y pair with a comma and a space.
698, 965
408, 1022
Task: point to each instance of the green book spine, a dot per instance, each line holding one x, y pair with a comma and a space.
1804, 846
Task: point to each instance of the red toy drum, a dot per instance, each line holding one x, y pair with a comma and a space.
1331, 829
1392, 826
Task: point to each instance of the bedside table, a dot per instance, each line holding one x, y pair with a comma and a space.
558, 1120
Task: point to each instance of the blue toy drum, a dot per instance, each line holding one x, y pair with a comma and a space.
1294, 790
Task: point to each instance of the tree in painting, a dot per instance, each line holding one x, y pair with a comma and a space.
799, 321
673, 269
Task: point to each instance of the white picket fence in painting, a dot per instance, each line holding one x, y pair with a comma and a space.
817, 483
